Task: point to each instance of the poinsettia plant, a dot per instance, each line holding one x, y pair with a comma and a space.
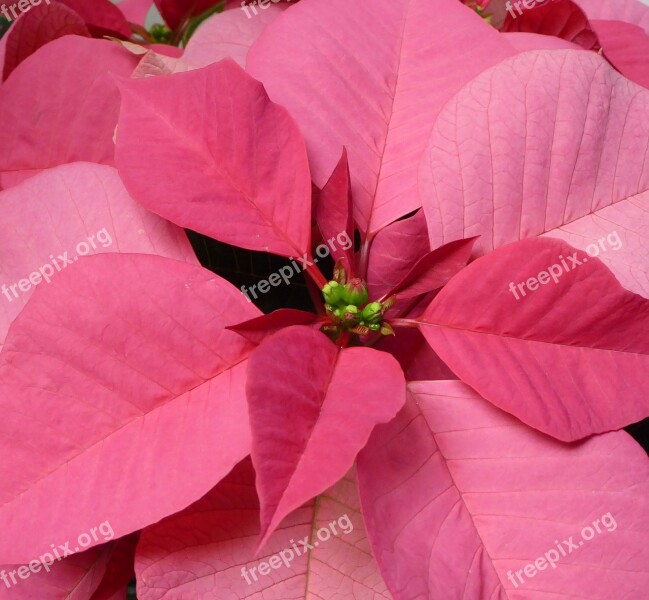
441, 418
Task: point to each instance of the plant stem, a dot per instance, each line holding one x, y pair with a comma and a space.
316, 275
344, 338
142, 32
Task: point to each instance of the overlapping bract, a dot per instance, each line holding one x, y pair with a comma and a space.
569, 343
125, 351
209, 548
61, 105
301, 389
237, 160
457, 494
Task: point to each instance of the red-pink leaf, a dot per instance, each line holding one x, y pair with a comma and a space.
208, 550
535, 41
228, 35
559, 18
626, 46
561, 352
101, 16
417, 359
630, 11
135, 11
54, 217
434, 269
61, 105
258, 329
394, 252
74, 577
375, 93
457, 494
312, 408
122, 375
574, 142
232, 166
36, 28
334, 212
118, 595
175, 12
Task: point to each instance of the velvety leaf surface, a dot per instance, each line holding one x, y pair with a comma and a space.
559, 18
334, 212
101, 16
535, 143
35, 28
61, 105
312, 408
394, 252
456, 494
130, 354
374, 83
232, 166
75, 577
52, 219
561, 352
208, 550
627, 47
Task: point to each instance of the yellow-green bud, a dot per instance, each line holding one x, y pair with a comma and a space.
355, 292
373, 313
333, 292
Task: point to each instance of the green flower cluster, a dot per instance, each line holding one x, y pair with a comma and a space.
347, 307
